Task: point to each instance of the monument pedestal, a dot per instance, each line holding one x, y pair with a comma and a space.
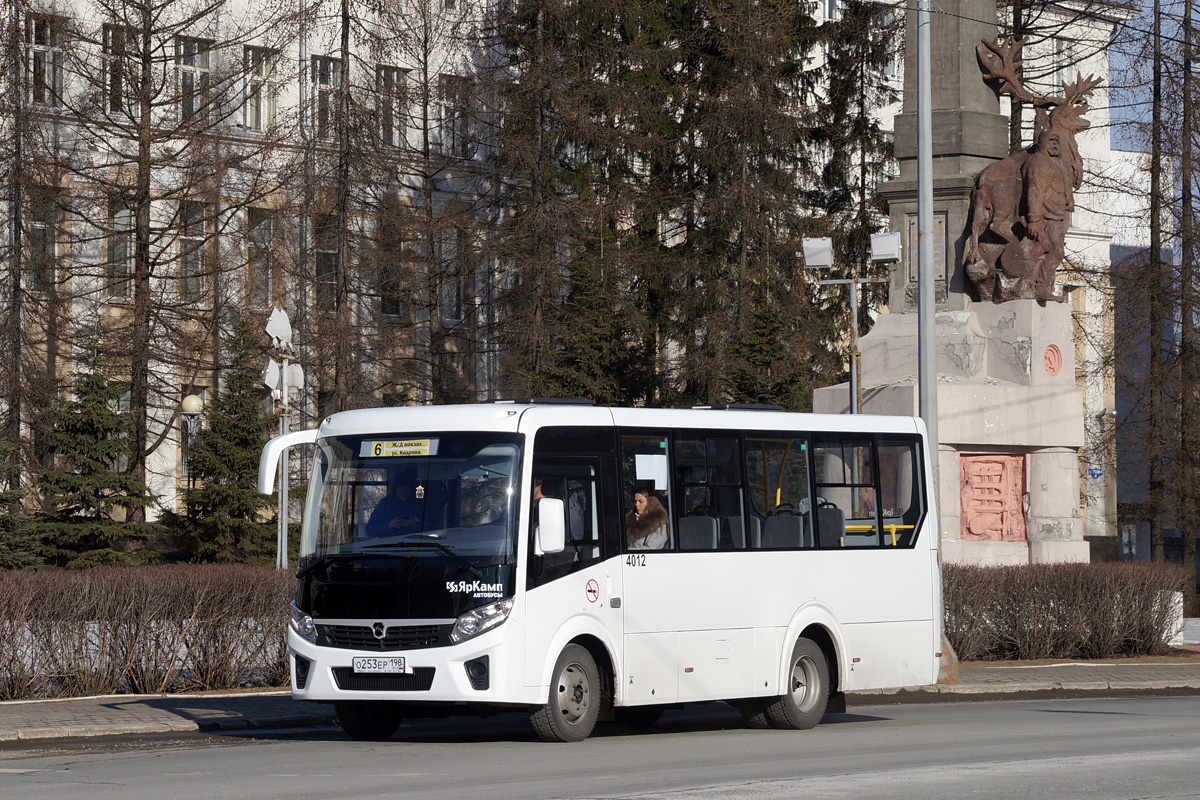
1010, 420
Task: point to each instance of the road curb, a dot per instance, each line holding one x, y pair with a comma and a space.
77, 731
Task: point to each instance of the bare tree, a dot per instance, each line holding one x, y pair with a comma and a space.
138, 163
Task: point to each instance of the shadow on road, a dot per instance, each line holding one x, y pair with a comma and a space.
515, 727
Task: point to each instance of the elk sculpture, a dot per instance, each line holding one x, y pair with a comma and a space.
1021, 206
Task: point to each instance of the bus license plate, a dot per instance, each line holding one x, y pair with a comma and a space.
380, 664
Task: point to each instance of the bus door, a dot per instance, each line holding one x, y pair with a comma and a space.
576, 588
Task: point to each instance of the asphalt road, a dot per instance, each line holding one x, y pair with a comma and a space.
1084, 748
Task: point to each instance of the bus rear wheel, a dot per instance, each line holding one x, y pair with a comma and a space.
368, 720
806, 694
575, 698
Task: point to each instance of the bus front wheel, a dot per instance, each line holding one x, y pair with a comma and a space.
368, 720
806, 694
575, 698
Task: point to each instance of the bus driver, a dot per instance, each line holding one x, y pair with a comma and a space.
397, 512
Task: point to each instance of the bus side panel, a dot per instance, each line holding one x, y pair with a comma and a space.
766, 661
651, 669
574, 605
708, 599
717, 663
894, 655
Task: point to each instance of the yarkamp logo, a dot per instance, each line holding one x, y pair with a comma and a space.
476, 588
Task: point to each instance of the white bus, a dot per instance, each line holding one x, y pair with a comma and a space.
486, 557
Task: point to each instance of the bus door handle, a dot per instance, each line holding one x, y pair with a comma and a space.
615, 602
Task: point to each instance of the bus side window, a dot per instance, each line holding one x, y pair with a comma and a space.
577, 486
781, 514
900, 496
644, 469
847, 507
708, 485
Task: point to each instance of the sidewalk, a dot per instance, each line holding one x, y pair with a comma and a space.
176, 713
123, 715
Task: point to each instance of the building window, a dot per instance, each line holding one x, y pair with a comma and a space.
121, 70
191, 63
43, 240
452, 292
390, 83
258, 112
391, 257
454, 105
326, 78
260, 256
121, 402
1064, 67
44, 35
120, 252
191, 252
325, 257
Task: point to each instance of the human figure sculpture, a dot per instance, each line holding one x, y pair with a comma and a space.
1021, 206
1049, 201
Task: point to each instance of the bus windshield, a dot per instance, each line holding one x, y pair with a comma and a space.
445, 494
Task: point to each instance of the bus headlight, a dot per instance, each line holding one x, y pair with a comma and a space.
303, 624
478, 620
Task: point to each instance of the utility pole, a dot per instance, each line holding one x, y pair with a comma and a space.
926, 308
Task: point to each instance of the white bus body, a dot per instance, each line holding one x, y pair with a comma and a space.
801, 563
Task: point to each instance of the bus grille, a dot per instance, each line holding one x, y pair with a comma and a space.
419, 681
397, 637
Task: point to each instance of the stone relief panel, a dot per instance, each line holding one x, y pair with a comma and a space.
992, 492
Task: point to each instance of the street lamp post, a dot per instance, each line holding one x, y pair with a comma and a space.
818, 254
281, 379
191, 409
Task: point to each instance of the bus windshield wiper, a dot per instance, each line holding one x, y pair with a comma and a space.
445, 548
322, 559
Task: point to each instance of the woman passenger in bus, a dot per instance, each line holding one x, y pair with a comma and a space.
647, 526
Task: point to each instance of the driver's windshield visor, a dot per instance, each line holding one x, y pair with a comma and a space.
427, 492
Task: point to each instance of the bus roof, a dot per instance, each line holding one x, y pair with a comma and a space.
512, 417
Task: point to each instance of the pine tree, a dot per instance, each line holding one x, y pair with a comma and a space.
772, 360
595, 360
18, 547
87, 495
225, 518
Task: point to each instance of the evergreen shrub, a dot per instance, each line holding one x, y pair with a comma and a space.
1060, 610
171, 628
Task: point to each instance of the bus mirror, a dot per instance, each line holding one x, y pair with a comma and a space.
552, 527
268, 462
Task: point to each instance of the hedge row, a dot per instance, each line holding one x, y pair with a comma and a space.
1060, 610
142, 629
181, 628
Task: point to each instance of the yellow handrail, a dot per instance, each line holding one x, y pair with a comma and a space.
890, 528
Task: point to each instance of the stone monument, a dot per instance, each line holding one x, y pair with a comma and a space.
1010, 416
